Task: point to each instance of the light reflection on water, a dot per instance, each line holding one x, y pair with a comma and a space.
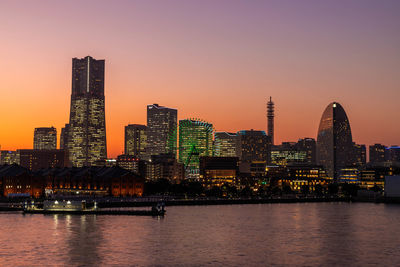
311, 234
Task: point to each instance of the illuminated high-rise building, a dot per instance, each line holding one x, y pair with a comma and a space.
161, 127
135, 140
195, 141
45, 138
270, 117
87, 124
225, 144
334, 142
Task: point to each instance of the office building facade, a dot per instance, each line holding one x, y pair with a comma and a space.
45, 138
136, 140
225, 144
253, 146
161, 130
36, 159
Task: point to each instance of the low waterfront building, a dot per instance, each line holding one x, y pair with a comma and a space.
165, 166
132, 163
102, 181
18, 181
349, 175
288, 153
216, 171
392, 186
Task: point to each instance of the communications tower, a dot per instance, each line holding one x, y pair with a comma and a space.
270, 118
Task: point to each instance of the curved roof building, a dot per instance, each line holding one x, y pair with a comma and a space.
334, 142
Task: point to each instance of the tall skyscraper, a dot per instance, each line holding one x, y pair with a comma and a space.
45, 138
135, 140
161, 129
87, 124
270, 117
225, 144
334, 142
377, 153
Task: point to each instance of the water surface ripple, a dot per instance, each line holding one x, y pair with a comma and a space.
302, 234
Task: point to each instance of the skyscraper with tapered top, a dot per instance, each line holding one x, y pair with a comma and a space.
334, 144
86, 142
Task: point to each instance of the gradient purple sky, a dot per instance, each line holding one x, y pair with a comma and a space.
215, 60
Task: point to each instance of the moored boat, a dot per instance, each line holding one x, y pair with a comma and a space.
84, 208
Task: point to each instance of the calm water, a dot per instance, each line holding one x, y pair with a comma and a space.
308, 234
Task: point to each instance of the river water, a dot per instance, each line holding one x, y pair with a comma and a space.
301, 234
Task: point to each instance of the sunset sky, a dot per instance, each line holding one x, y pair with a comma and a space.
215, 60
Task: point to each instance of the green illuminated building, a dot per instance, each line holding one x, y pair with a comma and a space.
195, 140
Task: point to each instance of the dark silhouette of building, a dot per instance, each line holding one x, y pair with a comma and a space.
165, 166
377, 153
132, 163
19, 181
45, 138
105, 181
393, 153
64, 137
310, 146
360, 155
34, 159
253, 146
270, 117
136, 140
87, 125
161, 129
216, 171
334, 142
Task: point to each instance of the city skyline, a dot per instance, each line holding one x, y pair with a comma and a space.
216, 83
